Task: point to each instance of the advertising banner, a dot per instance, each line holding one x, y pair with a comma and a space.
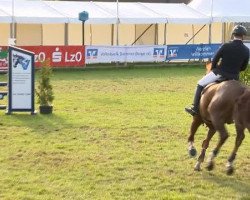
108, 54
59, 56
21, 80
192, 51
3, 58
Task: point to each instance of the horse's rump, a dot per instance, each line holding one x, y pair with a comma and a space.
242, 110
219, 99
207, 95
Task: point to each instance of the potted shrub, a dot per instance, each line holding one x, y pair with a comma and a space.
44, 90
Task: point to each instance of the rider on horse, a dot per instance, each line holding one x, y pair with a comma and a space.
230, 59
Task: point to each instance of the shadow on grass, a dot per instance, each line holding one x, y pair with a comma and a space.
41, 124
230, 182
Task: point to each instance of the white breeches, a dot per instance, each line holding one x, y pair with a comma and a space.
208, 78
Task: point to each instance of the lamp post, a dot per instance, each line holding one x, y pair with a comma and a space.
83, 16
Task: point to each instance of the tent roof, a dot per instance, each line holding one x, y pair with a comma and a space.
223, 10
31, 12
71, 9
133, 13
26, 11
178, 13
4, 17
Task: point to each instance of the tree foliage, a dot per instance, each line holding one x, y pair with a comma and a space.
245, 76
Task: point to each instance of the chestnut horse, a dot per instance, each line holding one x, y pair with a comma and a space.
221, 103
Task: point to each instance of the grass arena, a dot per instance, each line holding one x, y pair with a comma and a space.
116, 133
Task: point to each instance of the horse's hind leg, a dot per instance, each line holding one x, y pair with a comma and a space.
220, 127
194, 126
239, 138
205, 145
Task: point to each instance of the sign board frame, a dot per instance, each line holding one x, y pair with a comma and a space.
21, 85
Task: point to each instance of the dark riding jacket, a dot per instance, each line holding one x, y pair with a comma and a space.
230, 59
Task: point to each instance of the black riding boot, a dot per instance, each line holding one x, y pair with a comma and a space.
194, 109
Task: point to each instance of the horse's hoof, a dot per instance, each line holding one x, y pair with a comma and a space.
230, 170
192, 152
210, 166
197, 167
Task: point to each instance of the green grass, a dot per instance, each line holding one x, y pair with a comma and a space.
115, 134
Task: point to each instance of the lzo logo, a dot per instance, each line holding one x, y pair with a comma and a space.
57, 55
159, 52
172, 52
20, 60
92, 53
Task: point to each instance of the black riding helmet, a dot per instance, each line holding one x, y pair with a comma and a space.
239, 30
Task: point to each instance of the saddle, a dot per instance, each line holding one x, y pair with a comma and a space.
222, 79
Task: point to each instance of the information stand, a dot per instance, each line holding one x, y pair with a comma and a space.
21, 81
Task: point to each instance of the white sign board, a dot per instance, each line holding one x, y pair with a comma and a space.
21, 80
108, 54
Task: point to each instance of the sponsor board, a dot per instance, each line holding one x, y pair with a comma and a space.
108, 54
3, 58
200, 51
21, 80
59, 56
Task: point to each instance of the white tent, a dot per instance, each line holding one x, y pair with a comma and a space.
130, 13
133, 13
31, 12
178, 13
99, 12
4, 17
71, 9
223, 10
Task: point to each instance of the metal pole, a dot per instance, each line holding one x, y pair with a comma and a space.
195, 34
117, 22
142, 33
165, 34
112, 34
210, 25
41, 34
156, 34
223, 39
13, 25
210, 33
90, 29
83, 34
66, 34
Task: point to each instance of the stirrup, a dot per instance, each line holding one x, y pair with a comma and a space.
191, 111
